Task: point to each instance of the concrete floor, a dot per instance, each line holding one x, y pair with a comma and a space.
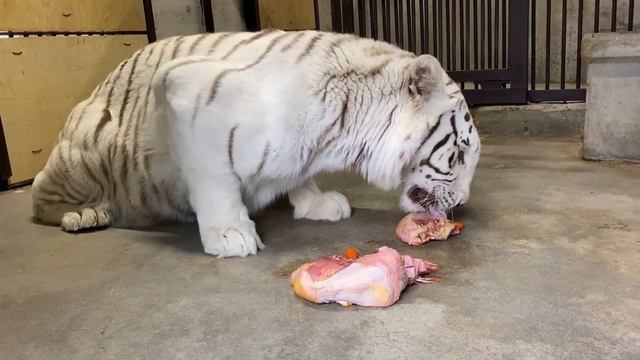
548, 268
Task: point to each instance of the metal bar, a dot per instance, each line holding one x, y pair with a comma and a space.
336, 16
518, 46
496, 34
579, 46
504, 33
316, 14
614, 15
563, 46
547, 64
411, 31
362, 20
397, 4
434, 10
5, 163
149, 21
482, 33
454, 35
489, 36
463, 53
596, 17
467, 35
533, 44
557, 95
373, 15
447, 32
207, 14
475, 34
423, 30
386, 20
348, 22
630, 20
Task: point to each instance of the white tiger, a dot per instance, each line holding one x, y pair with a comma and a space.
213, 127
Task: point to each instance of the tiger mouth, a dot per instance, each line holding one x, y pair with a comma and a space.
427, 201
421, 197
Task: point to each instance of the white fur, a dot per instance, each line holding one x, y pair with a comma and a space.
234, 121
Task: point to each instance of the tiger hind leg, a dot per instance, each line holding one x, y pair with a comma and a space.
50, 207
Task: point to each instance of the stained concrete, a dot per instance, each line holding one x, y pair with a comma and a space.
531, 121
548, 267
612, 120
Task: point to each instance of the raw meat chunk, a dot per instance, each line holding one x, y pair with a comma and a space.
418, 228
372, 280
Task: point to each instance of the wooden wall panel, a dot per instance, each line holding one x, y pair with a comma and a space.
72, 15
287, 14
42, 79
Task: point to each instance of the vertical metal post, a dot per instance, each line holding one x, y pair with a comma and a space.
316, 14
336, 16
489, 36
630, 20
149, 22
373, 15
563, 46
579, 49
207, 12
411, 25
518, 47
347, 17
386, 20
463, 49
447, 32
547, 45
436, 16
496, 34
5, 165
423, 30
596, 17
362, 20
533, 44
614, 15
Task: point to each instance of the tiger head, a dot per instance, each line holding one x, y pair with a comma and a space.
438, 177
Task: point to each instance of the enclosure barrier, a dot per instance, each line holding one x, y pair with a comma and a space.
490, 46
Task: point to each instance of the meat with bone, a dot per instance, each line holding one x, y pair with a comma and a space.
372, 280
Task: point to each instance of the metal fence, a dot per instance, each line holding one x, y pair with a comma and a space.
496, 49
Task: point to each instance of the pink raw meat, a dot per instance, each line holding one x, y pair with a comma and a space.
372, 280
419, 228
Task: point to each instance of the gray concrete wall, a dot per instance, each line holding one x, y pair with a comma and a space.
184, 17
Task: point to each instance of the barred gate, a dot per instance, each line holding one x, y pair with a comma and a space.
482, 44
501, 51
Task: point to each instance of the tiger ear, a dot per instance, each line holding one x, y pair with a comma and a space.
426, 77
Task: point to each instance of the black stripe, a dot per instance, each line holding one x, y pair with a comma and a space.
455, 130
217, 42
176, 48
431, 131
232, 135
309, 48
290, 44
127, 92
106, 117
257, 36
196, 42
218, 79
115, 81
